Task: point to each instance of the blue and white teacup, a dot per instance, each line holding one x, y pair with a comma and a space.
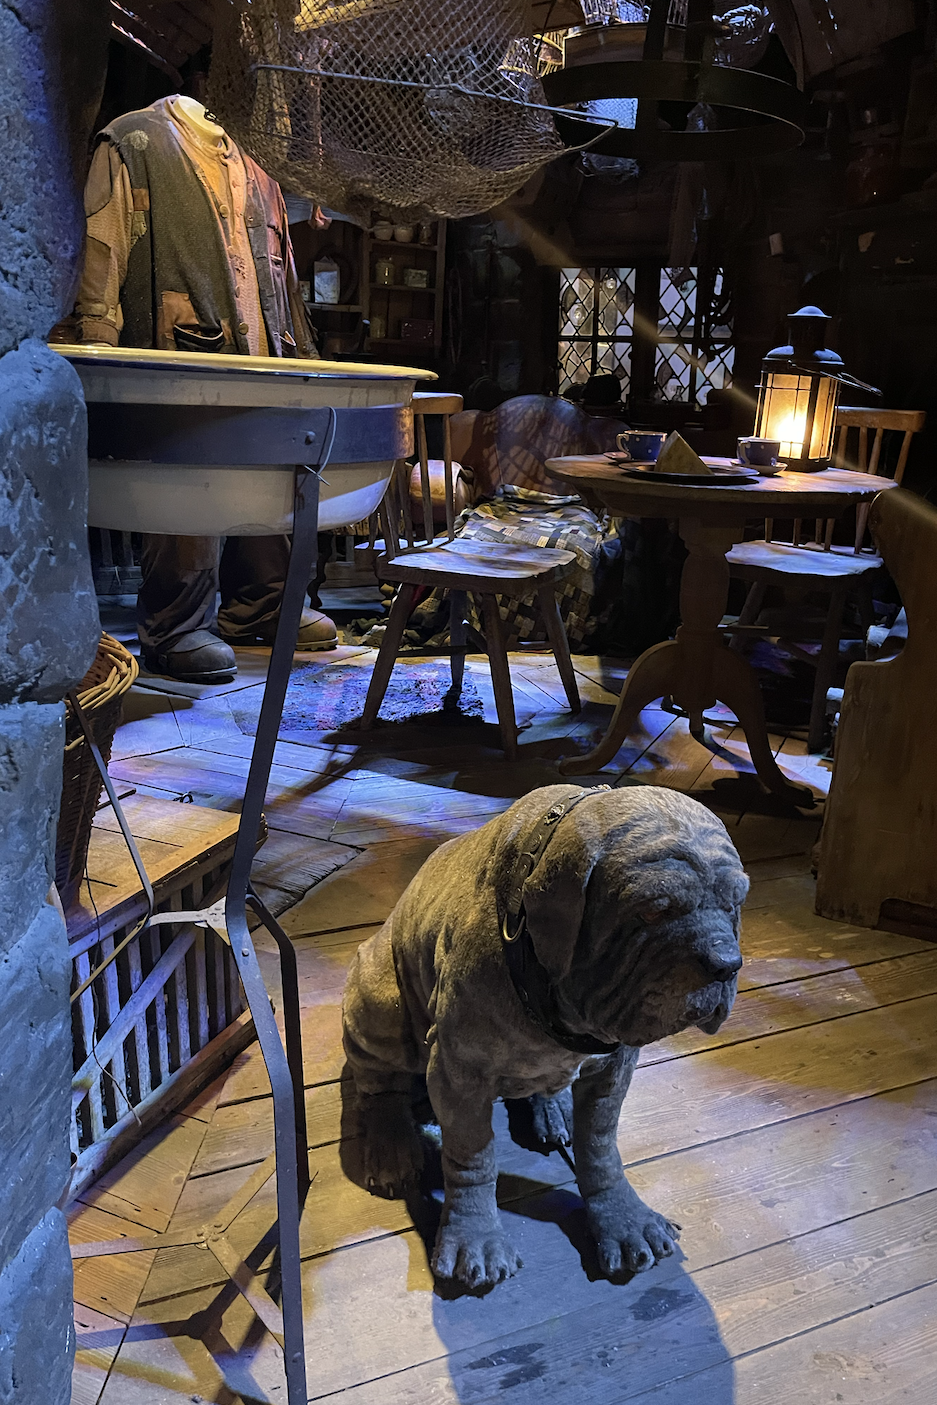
759, 453
642, 446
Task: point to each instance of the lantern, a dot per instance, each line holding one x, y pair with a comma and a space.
799, 391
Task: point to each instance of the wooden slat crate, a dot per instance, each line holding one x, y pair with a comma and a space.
169, 1012
115, 571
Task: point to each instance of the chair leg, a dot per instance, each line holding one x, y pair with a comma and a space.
862, 522
387, 655
750, 610
550, 610
458, 603
865, 604
500, 676
753, 603
826, 666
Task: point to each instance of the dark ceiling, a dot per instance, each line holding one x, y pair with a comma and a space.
168, 31
819, 35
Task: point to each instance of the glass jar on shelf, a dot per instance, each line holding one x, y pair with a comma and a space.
384, 272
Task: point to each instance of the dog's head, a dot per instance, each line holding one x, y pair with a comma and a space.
634, 911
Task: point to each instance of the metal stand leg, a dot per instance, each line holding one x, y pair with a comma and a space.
286, 1082
292, 1021
290, 1160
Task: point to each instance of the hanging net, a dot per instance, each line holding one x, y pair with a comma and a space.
409, 108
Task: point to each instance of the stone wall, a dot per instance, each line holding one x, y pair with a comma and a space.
52, 55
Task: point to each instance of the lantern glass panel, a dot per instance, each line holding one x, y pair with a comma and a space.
799, 411
824, 417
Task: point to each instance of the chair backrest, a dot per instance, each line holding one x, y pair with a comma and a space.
510, 444
507, 445
853, 453
396, 514
866, 422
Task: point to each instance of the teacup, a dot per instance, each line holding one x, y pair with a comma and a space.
642, 446
759, 453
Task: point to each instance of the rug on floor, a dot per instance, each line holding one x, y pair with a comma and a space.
330, 697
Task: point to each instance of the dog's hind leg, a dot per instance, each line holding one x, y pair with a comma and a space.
382, 1057
542, 1122
629, 1235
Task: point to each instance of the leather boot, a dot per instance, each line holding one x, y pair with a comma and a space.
199, 657
316, 631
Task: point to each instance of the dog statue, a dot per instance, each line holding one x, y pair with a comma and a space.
541, 952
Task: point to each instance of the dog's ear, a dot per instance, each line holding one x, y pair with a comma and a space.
555, 903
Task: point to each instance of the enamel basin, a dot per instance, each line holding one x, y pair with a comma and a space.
142, 494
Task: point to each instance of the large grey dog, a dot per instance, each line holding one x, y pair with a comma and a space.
541, 951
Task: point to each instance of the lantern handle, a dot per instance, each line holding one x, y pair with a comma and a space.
843, 377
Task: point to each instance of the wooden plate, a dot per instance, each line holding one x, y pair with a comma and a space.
727, 477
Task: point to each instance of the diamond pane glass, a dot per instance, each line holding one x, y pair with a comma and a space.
596, 325
615, 301
694, 353
672, 373
575, 359
718, 374
577, 300
677, 303
614, 359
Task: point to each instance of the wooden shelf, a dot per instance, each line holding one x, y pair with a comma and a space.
398, 288
387, 296
397, 244
399, 341
333, 306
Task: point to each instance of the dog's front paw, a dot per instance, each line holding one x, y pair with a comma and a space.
475, 1251
393, 1151
629, 1235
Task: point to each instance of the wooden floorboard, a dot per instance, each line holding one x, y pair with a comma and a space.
375, 1310
882, 1356
242, 1133
687, 1321
797, 1147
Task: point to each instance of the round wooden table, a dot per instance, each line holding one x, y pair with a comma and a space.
695, 668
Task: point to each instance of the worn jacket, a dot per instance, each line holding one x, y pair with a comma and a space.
158, 268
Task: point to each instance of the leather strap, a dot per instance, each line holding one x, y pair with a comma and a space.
529, 977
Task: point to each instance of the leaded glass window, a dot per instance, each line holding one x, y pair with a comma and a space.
694, 337
596, 324
691, 331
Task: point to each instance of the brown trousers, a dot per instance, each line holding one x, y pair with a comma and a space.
183, 575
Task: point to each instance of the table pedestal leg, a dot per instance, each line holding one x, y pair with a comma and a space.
696, 668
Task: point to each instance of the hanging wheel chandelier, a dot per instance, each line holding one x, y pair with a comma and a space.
412, 108
692, 103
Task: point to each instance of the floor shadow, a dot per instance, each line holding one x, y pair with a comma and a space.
560, 1329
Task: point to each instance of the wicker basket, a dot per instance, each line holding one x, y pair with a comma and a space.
101, 694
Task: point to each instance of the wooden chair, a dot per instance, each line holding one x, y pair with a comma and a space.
818, 565
876, 863
486, 569
908, 422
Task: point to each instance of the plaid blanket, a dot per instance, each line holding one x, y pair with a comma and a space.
529, 518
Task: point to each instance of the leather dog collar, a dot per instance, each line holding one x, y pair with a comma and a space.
529, 977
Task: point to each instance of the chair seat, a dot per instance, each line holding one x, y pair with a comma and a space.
801, 560
476, 565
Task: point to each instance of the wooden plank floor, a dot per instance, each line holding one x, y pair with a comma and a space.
798, 1147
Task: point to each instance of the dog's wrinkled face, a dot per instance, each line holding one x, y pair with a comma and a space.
667, 958
657, 947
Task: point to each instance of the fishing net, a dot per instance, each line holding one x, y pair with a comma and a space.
408, 108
